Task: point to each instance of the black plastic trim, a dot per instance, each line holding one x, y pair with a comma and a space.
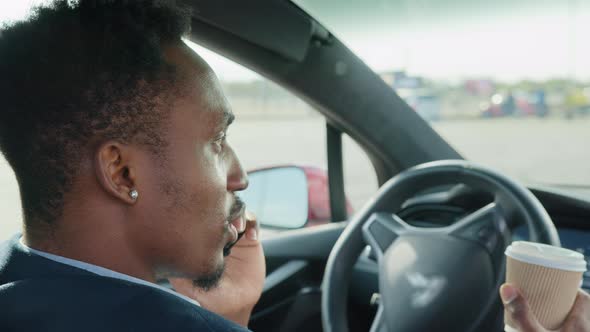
335, 173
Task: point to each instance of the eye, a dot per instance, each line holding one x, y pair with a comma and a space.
220, 141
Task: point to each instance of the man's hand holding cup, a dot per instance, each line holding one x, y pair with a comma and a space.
542, 292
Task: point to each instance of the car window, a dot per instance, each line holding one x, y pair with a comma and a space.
360, 179
276, 128
506, 83
10, 207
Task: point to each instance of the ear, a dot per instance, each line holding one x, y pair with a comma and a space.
115, 172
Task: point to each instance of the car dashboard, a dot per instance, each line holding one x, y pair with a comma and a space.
445, 206
298, 270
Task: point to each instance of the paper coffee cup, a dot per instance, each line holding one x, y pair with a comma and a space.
549, 277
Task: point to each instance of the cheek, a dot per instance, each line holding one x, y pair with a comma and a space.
209, 180
207, 205
203, 205
200, 180
181, 211
189, 234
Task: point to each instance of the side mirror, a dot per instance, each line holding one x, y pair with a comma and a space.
278, 196
289, 197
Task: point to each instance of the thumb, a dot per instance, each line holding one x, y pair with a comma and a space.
252, 226
517, 308
251, 231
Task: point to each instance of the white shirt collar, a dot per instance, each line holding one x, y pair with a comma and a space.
101, 271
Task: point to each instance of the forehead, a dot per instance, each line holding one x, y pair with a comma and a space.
212, 101
201, 89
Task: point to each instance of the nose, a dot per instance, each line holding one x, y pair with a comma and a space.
237, 179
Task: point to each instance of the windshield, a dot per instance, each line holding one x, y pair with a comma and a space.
506, 83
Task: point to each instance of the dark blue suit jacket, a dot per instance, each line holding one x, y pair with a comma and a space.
38, 294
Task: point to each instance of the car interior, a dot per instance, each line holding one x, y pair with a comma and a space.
328, 277
437, 218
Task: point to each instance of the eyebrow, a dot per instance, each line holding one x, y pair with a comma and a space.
229, 118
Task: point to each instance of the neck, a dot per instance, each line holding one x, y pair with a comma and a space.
95, 239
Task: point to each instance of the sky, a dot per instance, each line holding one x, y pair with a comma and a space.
448, 39
14, 10
442, 39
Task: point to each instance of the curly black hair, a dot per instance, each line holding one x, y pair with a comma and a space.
74, 75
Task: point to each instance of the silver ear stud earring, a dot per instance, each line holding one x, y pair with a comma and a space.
133, 194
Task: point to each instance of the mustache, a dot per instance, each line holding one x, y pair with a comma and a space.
237, 208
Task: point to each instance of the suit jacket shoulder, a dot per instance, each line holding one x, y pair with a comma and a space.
37, 294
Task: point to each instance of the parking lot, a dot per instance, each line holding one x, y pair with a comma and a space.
536, 151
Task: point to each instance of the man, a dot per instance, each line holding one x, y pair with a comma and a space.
116, 132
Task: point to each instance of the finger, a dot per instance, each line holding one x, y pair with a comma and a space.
251, 219
252, 226
250, 233
240, 223
582, 303
517, 308
577, 319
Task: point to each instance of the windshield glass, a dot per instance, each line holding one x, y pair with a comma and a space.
506, 83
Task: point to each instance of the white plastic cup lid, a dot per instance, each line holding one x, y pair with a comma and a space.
547, 256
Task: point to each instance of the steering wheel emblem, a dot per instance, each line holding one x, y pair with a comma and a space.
425, 289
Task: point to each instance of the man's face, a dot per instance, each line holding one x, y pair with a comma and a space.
187, 199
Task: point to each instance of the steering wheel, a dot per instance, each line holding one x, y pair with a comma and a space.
433, 279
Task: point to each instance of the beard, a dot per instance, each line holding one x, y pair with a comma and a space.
181, 200
211, 280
